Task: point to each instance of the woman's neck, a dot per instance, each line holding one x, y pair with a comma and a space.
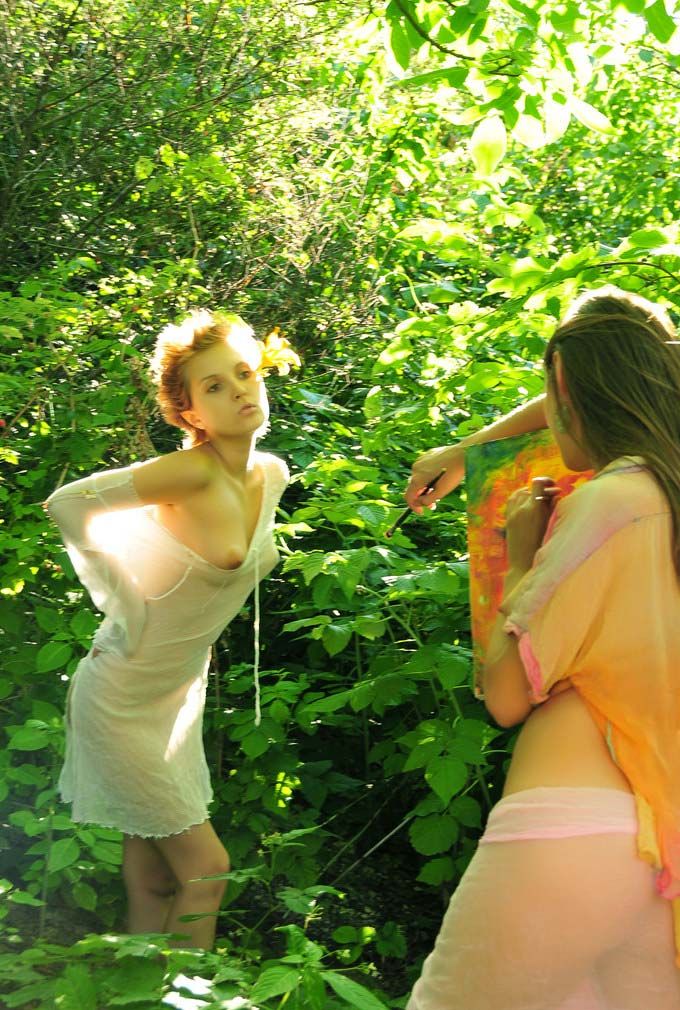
237, 456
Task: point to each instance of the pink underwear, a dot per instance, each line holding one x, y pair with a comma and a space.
561, 812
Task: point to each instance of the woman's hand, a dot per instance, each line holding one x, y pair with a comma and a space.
450, 458
526, 520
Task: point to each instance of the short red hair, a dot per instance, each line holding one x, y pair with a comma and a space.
176, 344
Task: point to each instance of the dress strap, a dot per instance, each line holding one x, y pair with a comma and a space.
256, 637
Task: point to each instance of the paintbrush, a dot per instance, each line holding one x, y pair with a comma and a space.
407, 512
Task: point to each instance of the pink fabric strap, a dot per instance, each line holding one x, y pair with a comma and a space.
561, 812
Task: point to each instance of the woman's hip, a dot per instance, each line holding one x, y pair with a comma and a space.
561, 812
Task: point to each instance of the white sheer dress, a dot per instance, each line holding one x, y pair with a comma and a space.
134, 747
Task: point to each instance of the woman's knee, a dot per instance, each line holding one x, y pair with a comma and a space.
145, 869
208, 874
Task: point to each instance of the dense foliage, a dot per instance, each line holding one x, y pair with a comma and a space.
413, 193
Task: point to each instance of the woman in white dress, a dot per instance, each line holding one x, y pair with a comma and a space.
169, 573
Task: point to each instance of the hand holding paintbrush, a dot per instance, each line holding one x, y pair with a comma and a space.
407, 512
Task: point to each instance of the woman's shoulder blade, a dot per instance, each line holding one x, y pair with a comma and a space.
630, 491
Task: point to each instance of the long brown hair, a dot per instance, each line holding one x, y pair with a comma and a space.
622, 373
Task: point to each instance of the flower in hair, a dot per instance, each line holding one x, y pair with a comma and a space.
277, 353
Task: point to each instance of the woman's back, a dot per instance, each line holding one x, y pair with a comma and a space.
601, 610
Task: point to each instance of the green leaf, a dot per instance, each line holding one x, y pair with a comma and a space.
83, 623
75, 990
373, 406
274, 982
591, 117
487, 145
63, 853
374, 514
144, 167
52, 656
370, 627
436, 871
136, 980
331, 703
346, 934
29, 738
467, 811
352, 992
423, 753
48, 619
314, 988
647, 238
335, 637
310, 564
390, 941
400, 45
453, 77
24, 898
255, 744
446, 776
433, 834
85, 896
660, 24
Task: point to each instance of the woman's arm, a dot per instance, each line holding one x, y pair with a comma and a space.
528, 417
166, 480
504, 683
503, 679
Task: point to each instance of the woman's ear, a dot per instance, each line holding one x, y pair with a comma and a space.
192, 418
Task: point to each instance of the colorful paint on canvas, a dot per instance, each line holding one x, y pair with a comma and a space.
492, 472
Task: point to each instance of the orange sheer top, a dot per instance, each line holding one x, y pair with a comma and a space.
601, 606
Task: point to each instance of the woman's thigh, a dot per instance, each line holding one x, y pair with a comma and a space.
529, 921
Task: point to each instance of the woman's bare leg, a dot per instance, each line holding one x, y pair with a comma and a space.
192, 854
150, 885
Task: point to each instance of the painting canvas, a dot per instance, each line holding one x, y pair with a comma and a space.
492, 472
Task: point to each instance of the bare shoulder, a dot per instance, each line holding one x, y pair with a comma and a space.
173, 477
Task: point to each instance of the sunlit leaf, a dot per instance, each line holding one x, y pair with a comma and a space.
591, 117
488, 145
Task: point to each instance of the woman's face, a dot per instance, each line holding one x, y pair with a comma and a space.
228, 396
570, 441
